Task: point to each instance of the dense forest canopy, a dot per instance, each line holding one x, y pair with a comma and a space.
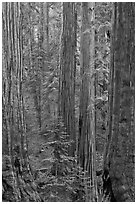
68, 101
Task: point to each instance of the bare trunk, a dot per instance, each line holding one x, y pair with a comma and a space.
87, 146
68, 66
120, 147
14, 112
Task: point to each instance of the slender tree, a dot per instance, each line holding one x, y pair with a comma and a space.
119, 156
46, 26
45, 38
91, 107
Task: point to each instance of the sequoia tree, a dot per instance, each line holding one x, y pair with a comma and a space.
13, 103
68, 68
119, 157
86, 140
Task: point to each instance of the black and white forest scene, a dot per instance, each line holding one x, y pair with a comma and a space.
68, 101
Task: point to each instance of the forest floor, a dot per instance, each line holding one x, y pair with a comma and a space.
40, 160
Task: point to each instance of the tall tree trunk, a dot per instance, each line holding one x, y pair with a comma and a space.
68, 69
92, 117
84, 92
119, 156
46, 26
14, 102
86, 143
45, 46
9, 70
